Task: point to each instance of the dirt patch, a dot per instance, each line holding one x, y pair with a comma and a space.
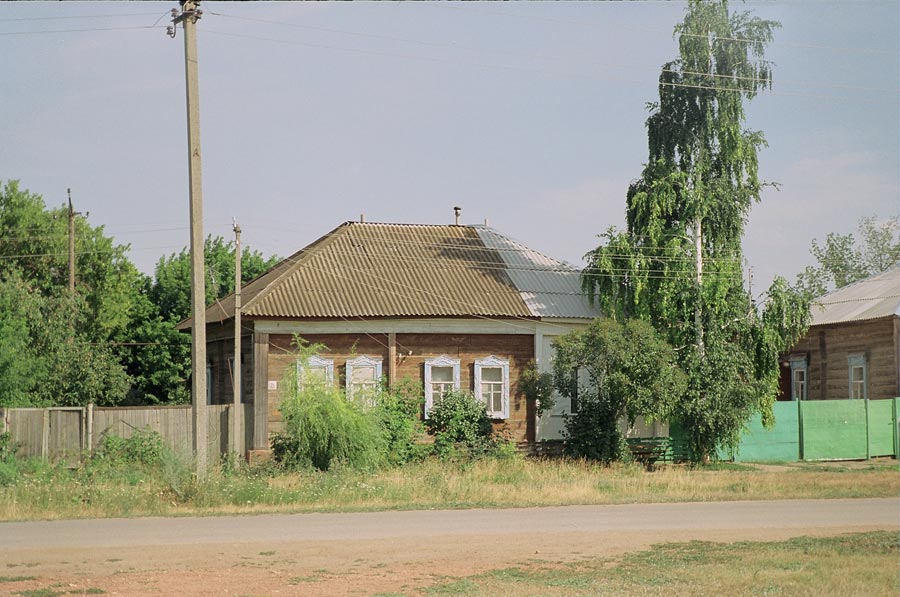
336, 567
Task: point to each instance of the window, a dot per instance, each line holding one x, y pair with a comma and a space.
492, 385
316, 371
798, 378
363, 375
441, 376
857, 365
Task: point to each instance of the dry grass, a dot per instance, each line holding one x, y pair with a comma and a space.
506, 483
854, 564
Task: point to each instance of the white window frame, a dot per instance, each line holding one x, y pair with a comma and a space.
798, 364
361, 361
316, 362
441, 361
858, 361
493, 362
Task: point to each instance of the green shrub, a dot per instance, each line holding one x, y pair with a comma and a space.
322, 426
144, 447
9, 467
398, 412
460, 425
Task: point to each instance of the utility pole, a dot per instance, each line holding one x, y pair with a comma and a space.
237, 444
72, 214
190, 14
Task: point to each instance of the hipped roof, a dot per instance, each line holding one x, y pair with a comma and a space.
872, 298
373, 270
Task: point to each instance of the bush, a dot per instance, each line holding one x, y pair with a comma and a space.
459, 423
144, 447
9, 467
322, 426
398, 411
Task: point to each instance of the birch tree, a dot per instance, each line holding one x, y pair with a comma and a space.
679, 264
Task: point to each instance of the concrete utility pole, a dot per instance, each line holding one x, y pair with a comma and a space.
72, 214
190, 14
237, 444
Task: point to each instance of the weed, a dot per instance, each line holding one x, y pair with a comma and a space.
16, 578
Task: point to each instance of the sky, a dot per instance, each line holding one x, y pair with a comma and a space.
528, 115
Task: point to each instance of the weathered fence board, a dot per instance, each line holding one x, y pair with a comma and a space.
780, 443
64, 434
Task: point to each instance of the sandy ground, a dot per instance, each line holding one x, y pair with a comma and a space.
391, 552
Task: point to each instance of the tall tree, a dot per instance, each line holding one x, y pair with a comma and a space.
679, 265
171, 288
844, 258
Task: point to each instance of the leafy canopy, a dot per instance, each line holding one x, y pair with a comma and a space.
679, 264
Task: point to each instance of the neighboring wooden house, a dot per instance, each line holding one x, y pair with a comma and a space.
852, 348
447, 306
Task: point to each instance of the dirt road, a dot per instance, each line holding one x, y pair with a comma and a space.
365, 553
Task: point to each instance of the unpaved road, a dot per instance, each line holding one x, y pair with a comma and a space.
365, 553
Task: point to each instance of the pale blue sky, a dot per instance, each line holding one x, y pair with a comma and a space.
529, 114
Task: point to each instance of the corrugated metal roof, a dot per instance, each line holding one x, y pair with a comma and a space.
408, 270
878, 296
550, 288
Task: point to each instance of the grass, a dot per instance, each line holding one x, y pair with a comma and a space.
853, 564
43, 492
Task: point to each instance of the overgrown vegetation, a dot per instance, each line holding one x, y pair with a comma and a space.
461, 427
615, 372
99, 489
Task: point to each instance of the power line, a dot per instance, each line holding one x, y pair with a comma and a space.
90, 30
70, 17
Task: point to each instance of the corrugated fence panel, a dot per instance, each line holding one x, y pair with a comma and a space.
882, 422
833, 429
780, 443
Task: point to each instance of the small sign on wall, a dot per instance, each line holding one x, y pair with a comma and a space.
273, 384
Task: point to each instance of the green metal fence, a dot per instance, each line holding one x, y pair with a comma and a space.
823, 430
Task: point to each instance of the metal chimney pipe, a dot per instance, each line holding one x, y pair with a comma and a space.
362, 218
456, 211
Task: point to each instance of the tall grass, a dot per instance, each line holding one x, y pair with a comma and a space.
44, 492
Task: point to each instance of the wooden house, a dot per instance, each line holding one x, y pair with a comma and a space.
852, 348
448, 306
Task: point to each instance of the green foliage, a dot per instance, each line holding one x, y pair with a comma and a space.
324, 427
171, 288
460, 426
144, 448
9, 467
844, 259
397, 411
630, 371
537, 388
697, 190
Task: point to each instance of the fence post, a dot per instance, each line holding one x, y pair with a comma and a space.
89, 425
4, 422
800, 427
895, 422
45, 435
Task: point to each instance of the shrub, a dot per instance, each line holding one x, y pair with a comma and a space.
398, 411
322, 426
9, 467
144, 447
459, 423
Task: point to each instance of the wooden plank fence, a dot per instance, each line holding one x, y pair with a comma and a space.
67, 434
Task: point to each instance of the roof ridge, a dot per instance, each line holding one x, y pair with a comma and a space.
304, 254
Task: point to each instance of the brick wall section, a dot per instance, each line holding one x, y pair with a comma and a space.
829, 346
518, 349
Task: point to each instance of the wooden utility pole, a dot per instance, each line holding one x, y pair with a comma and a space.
190, 14
237, 444
71, 244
